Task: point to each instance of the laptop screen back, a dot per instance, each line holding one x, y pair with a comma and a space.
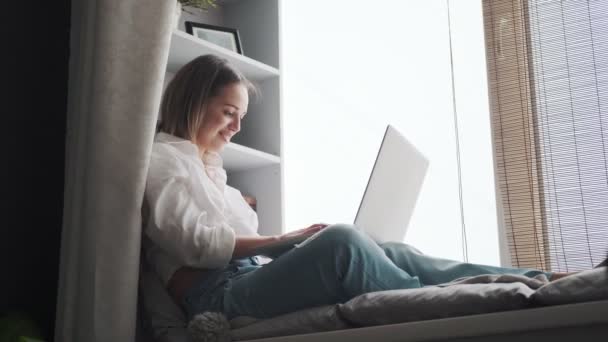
392, 190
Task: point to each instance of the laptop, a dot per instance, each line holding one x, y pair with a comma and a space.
389, 198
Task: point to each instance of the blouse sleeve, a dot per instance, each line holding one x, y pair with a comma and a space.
180, 224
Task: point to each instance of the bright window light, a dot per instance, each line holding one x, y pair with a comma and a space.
352, 67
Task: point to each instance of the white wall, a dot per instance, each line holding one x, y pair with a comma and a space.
350, 68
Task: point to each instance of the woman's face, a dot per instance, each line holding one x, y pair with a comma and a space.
223, 118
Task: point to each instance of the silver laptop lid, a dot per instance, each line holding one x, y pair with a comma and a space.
392, 189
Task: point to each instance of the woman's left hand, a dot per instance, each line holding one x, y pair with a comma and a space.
304, 232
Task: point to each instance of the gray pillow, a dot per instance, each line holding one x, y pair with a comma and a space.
433, 302
582, 287
317, 319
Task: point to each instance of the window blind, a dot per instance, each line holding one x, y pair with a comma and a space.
548, 83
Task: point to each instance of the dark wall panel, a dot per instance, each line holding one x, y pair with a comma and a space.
35, 52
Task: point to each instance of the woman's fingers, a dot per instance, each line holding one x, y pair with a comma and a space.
317, 227
309, 230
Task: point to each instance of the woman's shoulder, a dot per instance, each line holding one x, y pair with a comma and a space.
164, 153
166, 161
169, 147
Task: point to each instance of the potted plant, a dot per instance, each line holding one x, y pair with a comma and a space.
202, 5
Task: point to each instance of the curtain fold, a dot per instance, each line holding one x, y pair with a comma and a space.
118, 56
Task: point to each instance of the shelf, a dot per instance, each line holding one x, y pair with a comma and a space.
239, 158
185, 47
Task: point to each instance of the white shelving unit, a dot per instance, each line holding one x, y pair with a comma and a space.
253, 160
239, 158
185, 47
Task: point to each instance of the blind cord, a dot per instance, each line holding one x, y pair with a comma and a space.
465, 248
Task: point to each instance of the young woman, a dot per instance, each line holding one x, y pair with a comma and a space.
201, 234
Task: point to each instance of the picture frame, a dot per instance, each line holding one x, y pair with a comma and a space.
225, 37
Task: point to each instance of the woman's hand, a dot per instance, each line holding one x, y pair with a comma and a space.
304, 232
245, 246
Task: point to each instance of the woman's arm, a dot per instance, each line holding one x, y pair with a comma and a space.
245, 245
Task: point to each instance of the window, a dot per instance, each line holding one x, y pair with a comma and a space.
349, 68
548, 81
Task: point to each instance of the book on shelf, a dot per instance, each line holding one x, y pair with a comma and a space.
252, 201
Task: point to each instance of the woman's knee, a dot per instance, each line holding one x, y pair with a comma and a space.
392, 249
343, 234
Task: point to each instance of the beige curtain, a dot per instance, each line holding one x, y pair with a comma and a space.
118, 54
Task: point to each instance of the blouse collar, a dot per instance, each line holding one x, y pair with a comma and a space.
182, 145
210, 159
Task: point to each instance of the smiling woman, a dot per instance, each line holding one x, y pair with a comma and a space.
223, 117
210, 88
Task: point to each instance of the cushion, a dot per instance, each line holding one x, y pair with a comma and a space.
581, 287
433, 302
318, 319
467, 296
473, 295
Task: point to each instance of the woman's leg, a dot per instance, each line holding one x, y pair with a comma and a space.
433, 271
338, 264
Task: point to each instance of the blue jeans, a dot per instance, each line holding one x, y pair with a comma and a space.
337, 265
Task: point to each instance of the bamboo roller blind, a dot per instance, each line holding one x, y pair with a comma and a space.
548, 80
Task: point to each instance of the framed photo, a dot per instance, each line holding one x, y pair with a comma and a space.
223, 36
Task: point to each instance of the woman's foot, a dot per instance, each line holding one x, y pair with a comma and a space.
560, 275
602, 264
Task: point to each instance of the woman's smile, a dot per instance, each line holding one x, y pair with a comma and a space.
226, 137
223, 117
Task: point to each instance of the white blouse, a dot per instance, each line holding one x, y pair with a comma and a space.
191, 215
